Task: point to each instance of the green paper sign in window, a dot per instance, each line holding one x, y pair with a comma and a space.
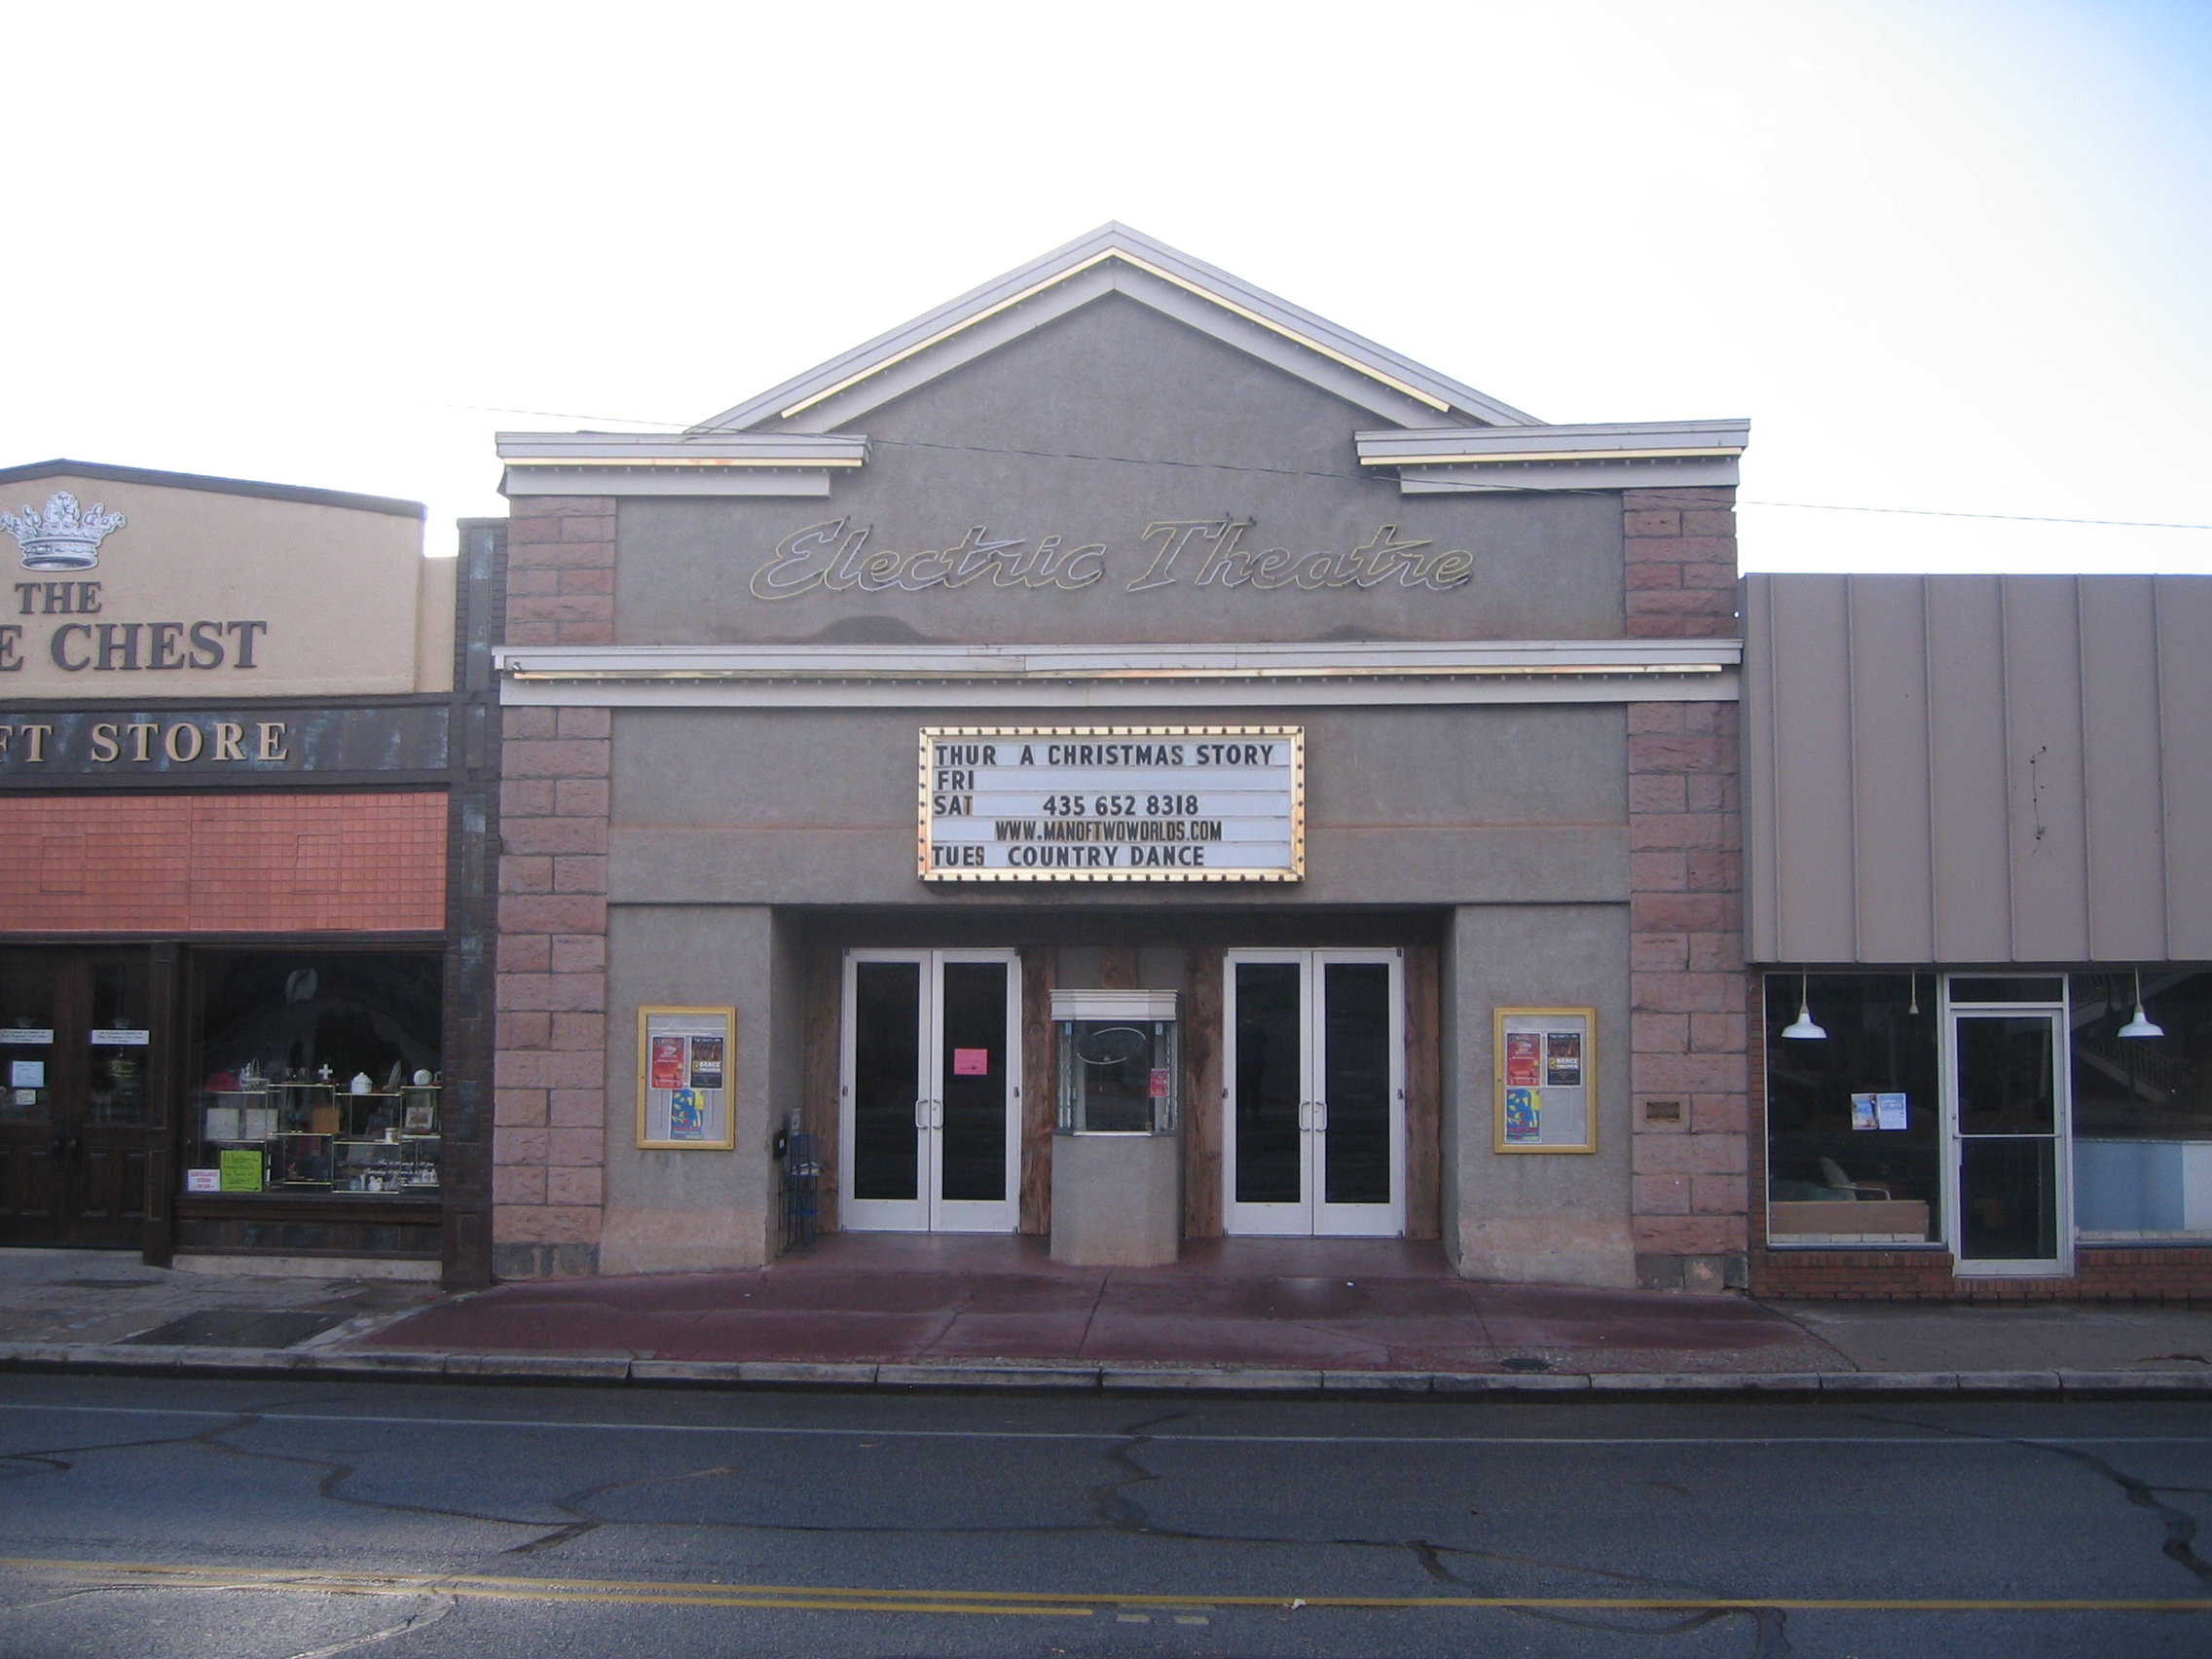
242, 1170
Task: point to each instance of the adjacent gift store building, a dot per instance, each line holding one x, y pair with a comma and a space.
1123, 760
246, 897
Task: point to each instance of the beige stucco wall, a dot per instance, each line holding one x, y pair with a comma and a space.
351, 605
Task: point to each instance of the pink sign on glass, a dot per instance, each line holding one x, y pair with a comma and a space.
971, 1062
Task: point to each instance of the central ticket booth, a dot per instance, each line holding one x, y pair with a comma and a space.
1122, 761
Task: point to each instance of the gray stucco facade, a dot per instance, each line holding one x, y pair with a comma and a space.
1119, 490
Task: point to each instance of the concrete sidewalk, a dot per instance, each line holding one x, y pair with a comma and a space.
1242, 1315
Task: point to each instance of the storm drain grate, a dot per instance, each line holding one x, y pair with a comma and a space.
237, 1328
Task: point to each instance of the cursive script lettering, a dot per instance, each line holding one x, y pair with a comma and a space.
834, 557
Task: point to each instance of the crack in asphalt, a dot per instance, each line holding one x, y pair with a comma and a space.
2180, 1545
1123, 1514
586, 1521
405, 1627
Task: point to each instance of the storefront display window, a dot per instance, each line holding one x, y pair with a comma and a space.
320, 1072
1854, 1120
2142, 1106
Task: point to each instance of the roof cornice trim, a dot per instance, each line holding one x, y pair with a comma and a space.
1613, 454
1379, 673
389, 505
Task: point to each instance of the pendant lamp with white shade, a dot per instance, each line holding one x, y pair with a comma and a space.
1802, 1029
2142, 1024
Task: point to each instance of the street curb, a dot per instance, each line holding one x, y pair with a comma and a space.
357, 1364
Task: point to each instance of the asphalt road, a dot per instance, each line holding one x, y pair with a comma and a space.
279, 1521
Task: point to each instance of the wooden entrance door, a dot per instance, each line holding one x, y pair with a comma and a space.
76, 1037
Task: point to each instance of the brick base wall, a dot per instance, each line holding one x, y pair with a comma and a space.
2102, 1274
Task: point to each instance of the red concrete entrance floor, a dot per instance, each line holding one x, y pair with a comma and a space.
1339, 1305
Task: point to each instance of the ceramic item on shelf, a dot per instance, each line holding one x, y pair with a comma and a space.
362, 1083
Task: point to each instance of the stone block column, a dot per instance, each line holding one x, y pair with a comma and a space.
1687, 1053
549, 1099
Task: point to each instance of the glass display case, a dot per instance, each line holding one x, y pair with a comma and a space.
311, 1137
390, 1163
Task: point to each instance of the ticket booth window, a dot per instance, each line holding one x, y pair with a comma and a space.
1117, 1062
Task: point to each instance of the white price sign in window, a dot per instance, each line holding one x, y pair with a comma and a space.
1112, 803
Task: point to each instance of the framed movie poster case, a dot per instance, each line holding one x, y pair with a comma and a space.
686, 1062
1547, 1078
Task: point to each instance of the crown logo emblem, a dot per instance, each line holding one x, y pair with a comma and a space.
60, 538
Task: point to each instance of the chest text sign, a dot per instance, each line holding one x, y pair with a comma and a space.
1112, 803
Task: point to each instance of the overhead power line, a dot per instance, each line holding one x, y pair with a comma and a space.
679, 428
2010, 518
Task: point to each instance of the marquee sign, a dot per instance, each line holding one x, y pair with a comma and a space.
1112, 803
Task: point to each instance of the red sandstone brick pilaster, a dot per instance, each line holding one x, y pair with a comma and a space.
1679, 552
561, 571
1687, 1035
549, 1098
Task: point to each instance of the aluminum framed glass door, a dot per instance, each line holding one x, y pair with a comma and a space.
930, 1100
1313, 1092
2009, 1170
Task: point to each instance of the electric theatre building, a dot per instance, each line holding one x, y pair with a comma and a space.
1125, 760
1120, 760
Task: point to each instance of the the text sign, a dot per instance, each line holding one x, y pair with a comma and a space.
38, 745
1113, 803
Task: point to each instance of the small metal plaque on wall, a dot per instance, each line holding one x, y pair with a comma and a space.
1546, 1066
686, 1060
1112, 803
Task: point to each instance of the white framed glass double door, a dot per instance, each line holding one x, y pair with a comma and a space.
930, 1096
1315, 1092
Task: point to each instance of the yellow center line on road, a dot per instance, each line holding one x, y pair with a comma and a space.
1062, 1603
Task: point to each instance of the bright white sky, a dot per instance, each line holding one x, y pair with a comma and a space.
1945, 256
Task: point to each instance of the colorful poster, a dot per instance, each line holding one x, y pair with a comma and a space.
1158, 1088
686, 1057
971, 1062
1524, 1119
706, 1063
668, 1062
1889, 1111
1562, 1060
1862, 1112
1522, 1060
241, 1170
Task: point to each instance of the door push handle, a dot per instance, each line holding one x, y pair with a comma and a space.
929, 1114
1313, 1115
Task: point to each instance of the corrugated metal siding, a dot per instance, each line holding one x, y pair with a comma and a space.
1969, 769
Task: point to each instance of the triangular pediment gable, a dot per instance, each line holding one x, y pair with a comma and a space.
1114, 260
